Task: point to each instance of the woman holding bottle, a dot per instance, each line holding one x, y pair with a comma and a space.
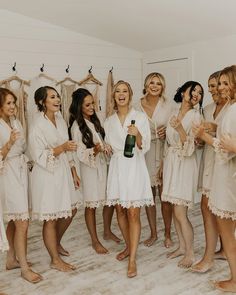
14, 186
128, 184
87, 132
157, 109
54, 177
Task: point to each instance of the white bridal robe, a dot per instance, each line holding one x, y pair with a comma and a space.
160, 117
208, 156
3, 239
14, 175
93, 169
222, 199
180, 169
52, 187
128, 182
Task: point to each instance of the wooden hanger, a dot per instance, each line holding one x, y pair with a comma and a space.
67, 79
90, 78
43, 75
15, 78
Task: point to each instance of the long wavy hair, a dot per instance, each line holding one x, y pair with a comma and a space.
118, 83
230, 72
76, 114
148, 80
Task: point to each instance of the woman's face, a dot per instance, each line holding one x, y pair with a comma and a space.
225, 88
53, 101
9, 107
155, 87
212, 88
88, 107
196, 95
122, 95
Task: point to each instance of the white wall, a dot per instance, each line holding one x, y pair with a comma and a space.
207, 57
30, 42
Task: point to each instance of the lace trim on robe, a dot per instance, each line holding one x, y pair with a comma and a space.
128, 204
51, 216
51, 160
204, 191
94, 204
76, 205
87, 157
187, 148
222, 213
16, 216
177, 201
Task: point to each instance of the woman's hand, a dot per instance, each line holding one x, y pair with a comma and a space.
108, 150
98, 148
133, 130
15, 134
198, 130
175, 123
209, 127
69, 146
228, 143
161, 132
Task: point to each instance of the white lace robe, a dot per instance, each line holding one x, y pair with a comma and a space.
159, 118
208, 156
128, 182
14, 175
52, 187
222, 199
93, 170
180, 170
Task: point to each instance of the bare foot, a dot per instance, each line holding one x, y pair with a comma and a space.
98, 247
178, 252
15, 264
62, 266
122, 255
220, 255
202, 266
168, 242
31, 276
62, 251
226, 286
132, 269
111, 236
149, 242
186, 261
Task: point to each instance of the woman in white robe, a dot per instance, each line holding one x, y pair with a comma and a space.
128, 184
213, 115
180, 170
14, 185
158, 110
54, 200
87, 132
222, 198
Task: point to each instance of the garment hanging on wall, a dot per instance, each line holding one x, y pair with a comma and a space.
109, 100
66, 99
38, 81
21, 101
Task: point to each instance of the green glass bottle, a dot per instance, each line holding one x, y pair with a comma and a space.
129, 144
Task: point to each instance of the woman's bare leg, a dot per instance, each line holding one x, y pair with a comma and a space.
107, 219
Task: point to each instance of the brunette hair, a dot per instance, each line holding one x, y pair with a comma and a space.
40, 97
76, 114
3, 94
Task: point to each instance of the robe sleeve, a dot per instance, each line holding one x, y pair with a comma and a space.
84, 154
41, 153
188, 147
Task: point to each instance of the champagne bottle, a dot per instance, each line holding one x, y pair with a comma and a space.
129, 144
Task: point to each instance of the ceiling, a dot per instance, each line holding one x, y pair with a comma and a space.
143, 25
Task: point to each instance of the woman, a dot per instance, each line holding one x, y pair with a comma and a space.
128, 184
222, 199
180, 171
54, 200
213, 115
87, 131
14, 186
157, 109
3, 239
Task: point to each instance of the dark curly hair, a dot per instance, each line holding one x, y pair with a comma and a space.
40, 97
189, 84
76, 114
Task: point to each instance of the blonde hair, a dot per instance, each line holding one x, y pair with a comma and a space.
148, 79
214, 75
230, 72
120, 82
